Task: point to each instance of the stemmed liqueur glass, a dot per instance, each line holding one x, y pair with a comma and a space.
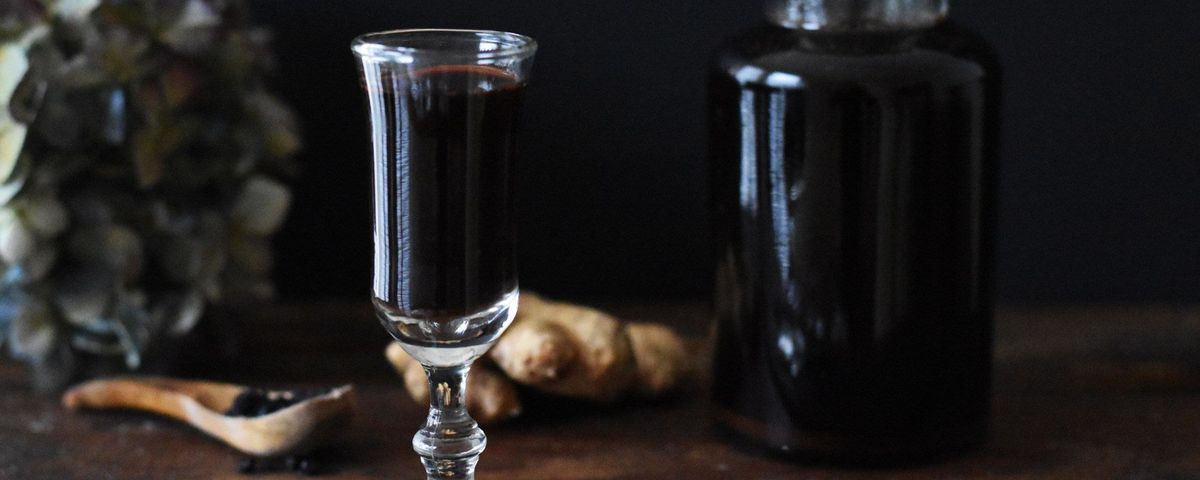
443, 106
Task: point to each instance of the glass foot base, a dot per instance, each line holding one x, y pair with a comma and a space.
458, 468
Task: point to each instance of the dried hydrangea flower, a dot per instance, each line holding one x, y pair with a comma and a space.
140, 173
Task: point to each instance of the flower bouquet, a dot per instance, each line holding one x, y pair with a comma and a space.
140, 166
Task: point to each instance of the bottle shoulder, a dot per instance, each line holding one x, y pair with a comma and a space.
778, 57
961, 42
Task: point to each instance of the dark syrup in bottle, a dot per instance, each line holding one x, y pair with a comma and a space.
853, 203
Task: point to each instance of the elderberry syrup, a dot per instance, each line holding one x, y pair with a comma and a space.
445, 263
852, 156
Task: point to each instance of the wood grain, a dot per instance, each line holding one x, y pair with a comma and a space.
1081, 392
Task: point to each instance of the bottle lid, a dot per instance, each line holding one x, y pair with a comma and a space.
856, 15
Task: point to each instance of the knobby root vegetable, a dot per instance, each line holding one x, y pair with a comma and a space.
566, 350
491, 398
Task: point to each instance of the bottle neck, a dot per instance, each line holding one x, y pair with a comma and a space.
856, 15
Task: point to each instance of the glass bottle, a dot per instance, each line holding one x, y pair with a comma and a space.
852, 153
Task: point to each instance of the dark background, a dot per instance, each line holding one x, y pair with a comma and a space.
1101, 157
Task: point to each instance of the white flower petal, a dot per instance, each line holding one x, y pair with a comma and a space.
16, 182
16, 242
12, 141
39, 264
75, 10
46, 215
33, 334
190, 309
262, 205
197, 14
13, 65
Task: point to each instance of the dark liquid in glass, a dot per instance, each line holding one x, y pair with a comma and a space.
853, 208
444, 236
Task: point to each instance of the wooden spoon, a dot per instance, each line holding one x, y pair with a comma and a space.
291, 430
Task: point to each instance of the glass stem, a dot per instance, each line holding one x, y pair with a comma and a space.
450, 442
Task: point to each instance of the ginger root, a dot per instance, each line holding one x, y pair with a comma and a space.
662, 359
567, 350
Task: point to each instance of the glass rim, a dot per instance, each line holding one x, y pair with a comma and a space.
370, 45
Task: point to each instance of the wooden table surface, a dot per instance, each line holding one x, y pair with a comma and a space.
1081, 393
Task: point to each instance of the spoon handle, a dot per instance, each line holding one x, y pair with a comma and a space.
158, 395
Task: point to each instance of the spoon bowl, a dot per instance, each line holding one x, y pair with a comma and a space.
293, 429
